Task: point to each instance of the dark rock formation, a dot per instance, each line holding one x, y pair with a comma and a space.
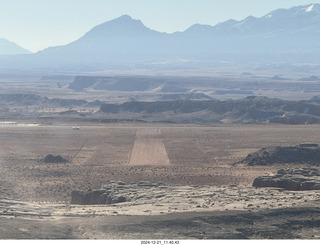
106, 195
115, 192
90, 197
55, 159
251, 109
291, 179
301, 154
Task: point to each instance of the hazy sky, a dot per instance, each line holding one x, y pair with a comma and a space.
38, 24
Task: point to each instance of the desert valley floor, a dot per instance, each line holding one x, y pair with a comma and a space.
184, 171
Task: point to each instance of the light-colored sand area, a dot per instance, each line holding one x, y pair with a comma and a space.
160, 199
148, 148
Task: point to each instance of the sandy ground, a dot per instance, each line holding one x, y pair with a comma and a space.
97, 154
187, 169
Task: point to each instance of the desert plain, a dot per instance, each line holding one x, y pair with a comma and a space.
179, 180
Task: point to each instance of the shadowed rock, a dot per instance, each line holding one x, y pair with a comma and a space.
90, 197
95, 197
55, 159
301, 154
291, 179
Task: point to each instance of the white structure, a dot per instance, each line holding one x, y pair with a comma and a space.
8, 123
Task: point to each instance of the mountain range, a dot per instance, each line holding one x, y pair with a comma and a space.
283, 36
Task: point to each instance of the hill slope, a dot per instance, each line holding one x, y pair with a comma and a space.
10, 48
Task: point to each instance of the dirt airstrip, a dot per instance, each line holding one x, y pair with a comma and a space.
148, 148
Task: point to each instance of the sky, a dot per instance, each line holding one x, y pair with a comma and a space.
38, 24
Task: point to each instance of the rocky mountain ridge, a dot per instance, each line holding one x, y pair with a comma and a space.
284, 36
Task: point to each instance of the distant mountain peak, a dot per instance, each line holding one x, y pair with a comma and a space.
125, 16
309, 9
124, 19
313, 8
124, 25
10, 48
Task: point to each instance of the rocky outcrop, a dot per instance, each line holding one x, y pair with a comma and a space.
95, 197
291, 179
116, 192
300, 154
108, 194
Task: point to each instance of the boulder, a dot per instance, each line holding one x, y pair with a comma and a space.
291, 179
90, 197
77, 197
119, 199
109, 194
